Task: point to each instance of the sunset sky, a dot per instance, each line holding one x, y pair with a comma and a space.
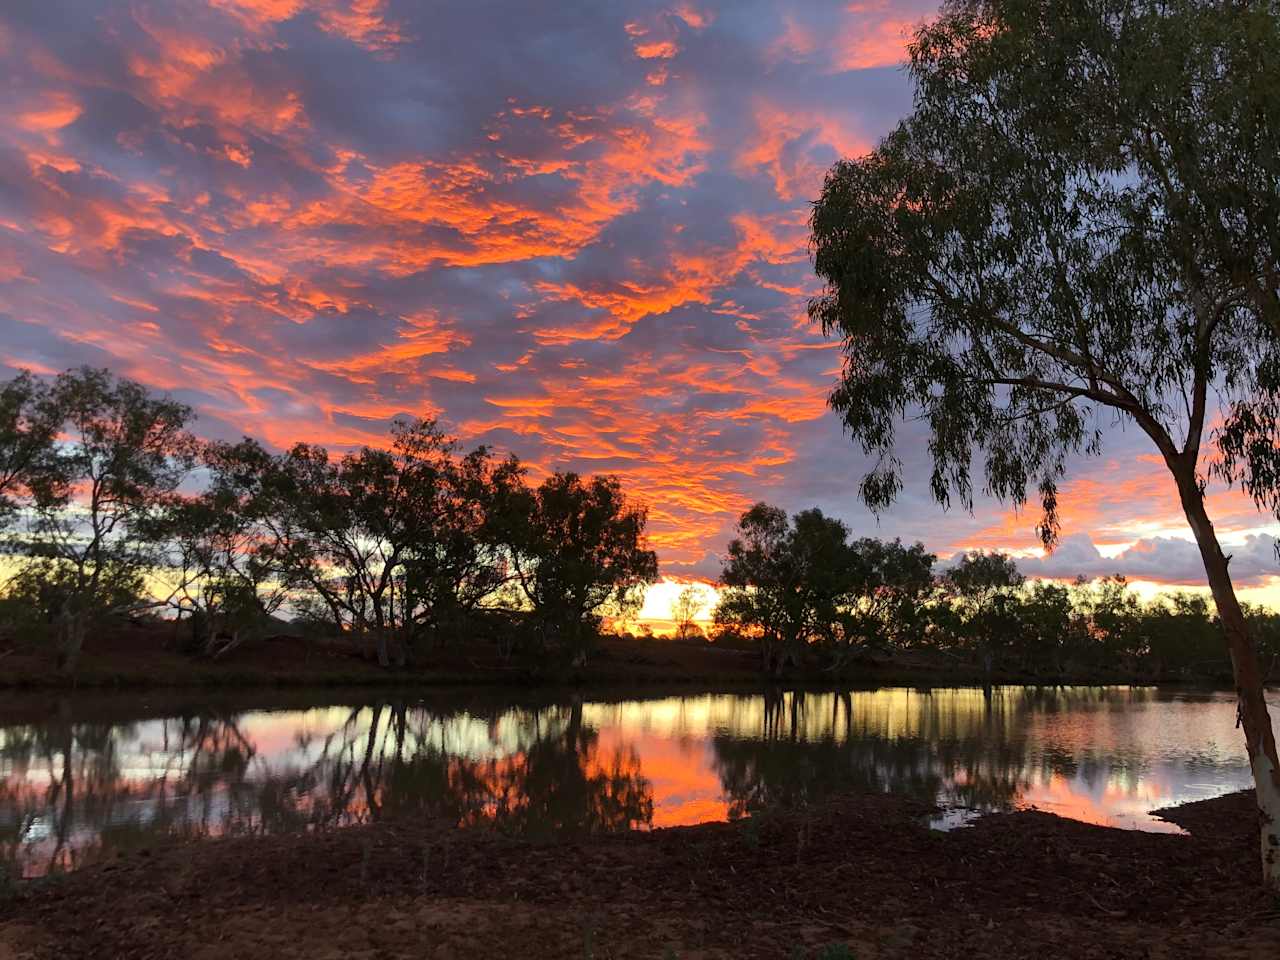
574, 230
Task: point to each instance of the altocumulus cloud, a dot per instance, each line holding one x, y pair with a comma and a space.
1159, 559
574, 230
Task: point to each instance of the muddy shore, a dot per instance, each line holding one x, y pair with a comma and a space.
864, 872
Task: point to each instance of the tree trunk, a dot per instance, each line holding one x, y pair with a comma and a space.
380, 631
774, 657
72, 630
1251, 707
371, 794
238, 636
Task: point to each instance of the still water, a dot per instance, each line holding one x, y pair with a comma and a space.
84, 779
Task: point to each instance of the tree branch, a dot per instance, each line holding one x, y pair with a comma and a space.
1052, 386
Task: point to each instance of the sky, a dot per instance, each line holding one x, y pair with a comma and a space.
575, 231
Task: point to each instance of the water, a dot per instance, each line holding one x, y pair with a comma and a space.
84, 779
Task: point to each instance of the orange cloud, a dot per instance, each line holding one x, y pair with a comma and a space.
882, 43
609, 275
697, 19
796, 41
55, 110
784, 147
261, 12
657, 49
362, 22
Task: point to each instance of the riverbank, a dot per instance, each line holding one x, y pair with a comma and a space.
141, 656
146, 656
863, 872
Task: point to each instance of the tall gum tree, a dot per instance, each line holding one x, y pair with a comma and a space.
1076, 225
122, 454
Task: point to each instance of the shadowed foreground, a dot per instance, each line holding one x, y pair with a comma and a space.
862, 871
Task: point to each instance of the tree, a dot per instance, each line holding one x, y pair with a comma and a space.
346, 527
1184, 627
760, 595
894, 583
685, 609
457, 563
789, 583
578, 548
224, 577
984, 584
28, 426
1076, 224
124, 453
801, 583
1049, 627
1117, 620
981, 576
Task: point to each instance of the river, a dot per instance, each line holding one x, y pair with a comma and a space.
87, 778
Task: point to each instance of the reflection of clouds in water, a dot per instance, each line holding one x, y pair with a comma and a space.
72, 792
1125, 805
681, 769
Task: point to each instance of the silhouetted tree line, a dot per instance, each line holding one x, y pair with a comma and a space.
808, 595
109, 504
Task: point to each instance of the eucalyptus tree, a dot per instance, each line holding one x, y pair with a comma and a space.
1051, 629
1119, 623
685, 608
344, 527
457, 562
1076, 225
123, 451
984, 584
791, 583
894, 584
28, 426
760, 596
578, 551
223, 576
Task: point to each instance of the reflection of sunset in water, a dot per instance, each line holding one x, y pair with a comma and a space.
75, 790
1117, 805
681, 773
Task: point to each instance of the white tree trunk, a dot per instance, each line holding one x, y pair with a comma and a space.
1251, 704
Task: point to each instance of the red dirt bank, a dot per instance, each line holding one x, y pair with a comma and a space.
862, 871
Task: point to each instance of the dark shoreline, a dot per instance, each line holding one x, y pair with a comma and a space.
104, 703
140, 659
862, 871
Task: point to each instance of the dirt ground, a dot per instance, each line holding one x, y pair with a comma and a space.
862, 872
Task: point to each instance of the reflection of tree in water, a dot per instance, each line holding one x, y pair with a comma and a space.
60, 774
563, 783
555, 779
959, 750
72, 791
64, 799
